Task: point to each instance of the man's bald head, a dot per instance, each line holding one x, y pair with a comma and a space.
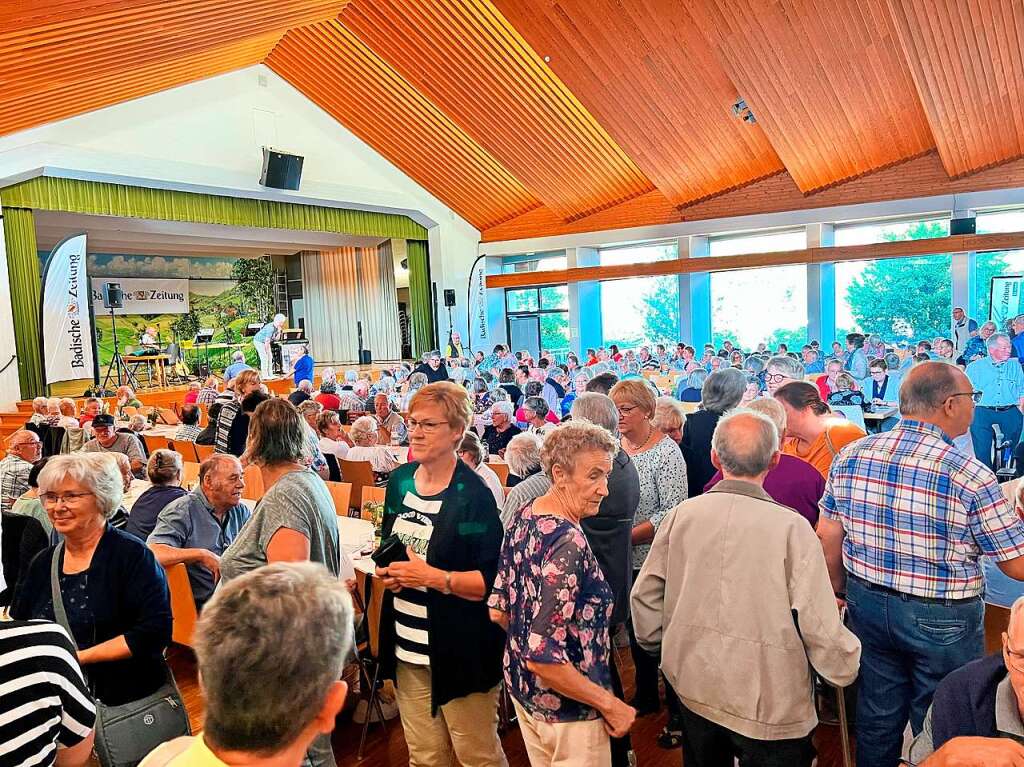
927, 387
745, 444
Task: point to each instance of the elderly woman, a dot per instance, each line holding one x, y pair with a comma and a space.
689, 388
847, 392
668, 418
552, 598
333, 440
436, 638
126, 398
164, 471
752, 390
523, 458
502, 429
580, 379
310, 411
415, 382
827, 383
780, 371
56, 414
722, 392
328, 396
536, 416
113, 590
813, 433
663, 485
473, 453
366, 446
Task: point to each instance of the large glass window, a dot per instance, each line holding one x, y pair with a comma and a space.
989, 265
550, 304
534, 262
642, 310
765, 242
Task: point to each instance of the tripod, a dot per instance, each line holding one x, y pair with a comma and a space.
451, 345
117, 364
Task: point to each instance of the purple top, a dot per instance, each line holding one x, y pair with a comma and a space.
794, 483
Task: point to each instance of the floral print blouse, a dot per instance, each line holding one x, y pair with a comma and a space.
559, 606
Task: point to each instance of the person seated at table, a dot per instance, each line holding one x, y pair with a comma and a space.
884, 391
109, 440
232, 429
688, 389
502, 428
946, 351
779, 371
827, 383
471, 450
164, 471
29, 505
21, 538
847, 393
301, 394
208, 435
328, 396
126, 398
536, 414
522, 457
209, 393
92, 408
813, 433
237, 366
197, 527
192, 394
38, 416
669, 418
367, 448
333, 439
55, 417
391, 429
189, 429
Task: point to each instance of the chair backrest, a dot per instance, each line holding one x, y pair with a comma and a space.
341, 492
75, 439
373, 599
183, 605
853, 413
186, 448
253, 483
372, 494
204, 451
155, 442
189, 473
358, 473
334, 471
501, 469
169, 417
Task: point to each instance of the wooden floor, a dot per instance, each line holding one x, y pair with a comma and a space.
387, 749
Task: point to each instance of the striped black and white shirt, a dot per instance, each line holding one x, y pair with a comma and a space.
44, 703
414, 525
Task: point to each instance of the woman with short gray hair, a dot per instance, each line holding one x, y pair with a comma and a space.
523, 457
689, 388
366, 447
780, 371
722, 392
113, 590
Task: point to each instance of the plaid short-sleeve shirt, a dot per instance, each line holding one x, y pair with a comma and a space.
918, 513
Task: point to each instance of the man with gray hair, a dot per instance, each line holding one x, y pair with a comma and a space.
904, 519
39, 411
780, 371
742, 670
267, 700
302, 393
1000, 381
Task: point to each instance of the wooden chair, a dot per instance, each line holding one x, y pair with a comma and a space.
186, 448
154, 442
359, 474
370, 599
372, 495
341, 493
183, 605
189, 473
253, 483
204, 451
129, 411
501, 469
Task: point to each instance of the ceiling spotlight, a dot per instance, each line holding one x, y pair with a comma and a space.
547, 59
749, 118
739, 107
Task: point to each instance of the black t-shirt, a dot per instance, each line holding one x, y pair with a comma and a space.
514, 393
497, 441
297, 397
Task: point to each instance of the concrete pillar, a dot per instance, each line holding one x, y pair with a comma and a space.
585, 329
963, 274
821, 288
695, 294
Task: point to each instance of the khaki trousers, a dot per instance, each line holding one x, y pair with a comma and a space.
564, 744
467, 726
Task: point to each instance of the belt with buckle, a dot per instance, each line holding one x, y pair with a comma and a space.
997, 408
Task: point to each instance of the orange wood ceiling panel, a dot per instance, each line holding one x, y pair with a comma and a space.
646, 72
471, 63
824, 78
967, 61
107, 52
333, 68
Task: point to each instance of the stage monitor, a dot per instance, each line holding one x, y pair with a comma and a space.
281, 170
113, 296
292, 335
251, 329
204, 336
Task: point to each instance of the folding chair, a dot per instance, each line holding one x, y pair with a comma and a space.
367, 651
186, 448
359, 474
341, 494
153, 442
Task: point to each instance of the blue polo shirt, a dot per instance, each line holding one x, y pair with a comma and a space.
265, 333
1001, 383
189, 523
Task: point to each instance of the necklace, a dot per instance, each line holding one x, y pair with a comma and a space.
635, 446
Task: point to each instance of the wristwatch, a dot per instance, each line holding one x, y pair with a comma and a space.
447, 583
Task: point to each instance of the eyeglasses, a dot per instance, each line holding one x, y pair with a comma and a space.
774, 377
68, 499
429, 427
974, 395
626, 409
1013, 658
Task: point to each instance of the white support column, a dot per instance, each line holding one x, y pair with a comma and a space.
821, 288
962, 274
585, 329
694, 294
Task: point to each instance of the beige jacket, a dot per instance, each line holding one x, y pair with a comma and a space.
736, 595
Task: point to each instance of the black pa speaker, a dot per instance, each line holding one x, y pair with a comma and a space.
280, 170
113, 297
449, 297
963, 226
365, 357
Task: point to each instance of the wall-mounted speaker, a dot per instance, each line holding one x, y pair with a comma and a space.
963, 226
281, 170
113, 297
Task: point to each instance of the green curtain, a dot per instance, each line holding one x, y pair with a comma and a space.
76, 196
420, 307
26, 289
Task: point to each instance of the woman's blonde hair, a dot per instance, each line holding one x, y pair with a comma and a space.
637, 391
245, 378
668, 414
451, 398
563, 444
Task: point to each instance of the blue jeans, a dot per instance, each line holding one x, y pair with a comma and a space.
909, 645
981, 430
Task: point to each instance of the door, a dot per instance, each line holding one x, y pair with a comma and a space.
524, 333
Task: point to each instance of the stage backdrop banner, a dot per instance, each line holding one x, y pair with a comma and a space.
66, 327
1006, 299
143, 296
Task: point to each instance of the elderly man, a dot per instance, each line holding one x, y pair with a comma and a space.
1000, 381
962, 330
237, 366
302, 393
976, 716
976, 347
268, 700
39, 411
742, 668
454, 348
197, 528
391, 429
780, 371
23, 450
908, 515
502, 428
107, 440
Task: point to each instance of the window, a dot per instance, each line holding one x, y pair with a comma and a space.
987, 266
765, 242
641, 310
550, 305
534, 262
891, 231
1000, 221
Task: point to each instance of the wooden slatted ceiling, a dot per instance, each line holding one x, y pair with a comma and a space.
472, 64
646, 72
334, 69
824, 78
967, 58
118, 51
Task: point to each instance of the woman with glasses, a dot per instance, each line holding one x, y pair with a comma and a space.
436, 638
779, 371
883, 391
112, 588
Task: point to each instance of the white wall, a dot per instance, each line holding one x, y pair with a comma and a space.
207, 136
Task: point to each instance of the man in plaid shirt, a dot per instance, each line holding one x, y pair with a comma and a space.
908, 515
23, 450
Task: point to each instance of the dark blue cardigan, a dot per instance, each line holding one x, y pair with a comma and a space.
965, 701
128, 595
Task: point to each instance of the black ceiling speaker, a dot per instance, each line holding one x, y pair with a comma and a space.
281, 170
963, 226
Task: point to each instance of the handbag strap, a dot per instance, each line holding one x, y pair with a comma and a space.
58, 601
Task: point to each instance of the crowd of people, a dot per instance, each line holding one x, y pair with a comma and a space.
738, 528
